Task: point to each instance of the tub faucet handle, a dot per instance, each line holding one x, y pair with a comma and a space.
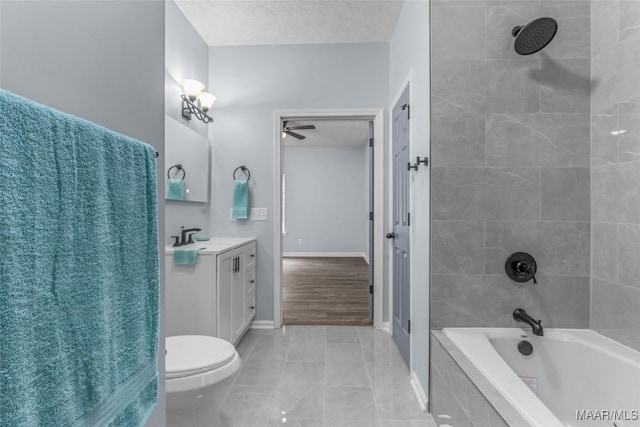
521, 267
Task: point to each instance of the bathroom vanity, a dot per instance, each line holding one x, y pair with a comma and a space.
217, 295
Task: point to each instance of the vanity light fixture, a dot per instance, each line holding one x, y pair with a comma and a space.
195, 102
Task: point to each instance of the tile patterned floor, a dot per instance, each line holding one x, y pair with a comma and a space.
320, 376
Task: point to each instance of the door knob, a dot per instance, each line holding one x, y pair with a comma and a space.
391, 235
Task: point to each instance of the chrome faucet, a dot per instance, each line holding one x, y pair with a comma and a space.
520, 315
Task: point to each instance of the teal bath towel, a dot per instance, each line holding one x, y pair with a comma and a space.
176, 189
78, 271
241, 200
186, 256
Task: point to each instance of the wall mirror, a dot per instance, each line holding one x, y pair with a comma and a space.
186, 160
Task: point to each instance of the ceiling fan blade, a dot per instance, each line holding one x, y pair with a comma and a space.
295, 135
301, 127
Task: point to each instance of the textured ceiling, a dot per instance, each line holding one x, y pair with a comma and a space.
264, 22
343, 133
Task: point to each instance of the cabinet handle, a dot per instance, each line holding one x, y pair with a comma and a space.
252, 255
252, 307
252, 281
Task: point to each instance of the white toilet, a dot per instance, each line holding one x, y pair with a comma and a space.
195, 364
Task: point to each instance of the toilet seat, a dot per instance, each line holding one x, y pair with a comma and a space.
195, 354
196, 361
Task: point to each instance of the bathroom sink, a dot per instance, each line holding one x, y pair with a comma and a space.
223, 241
214, 245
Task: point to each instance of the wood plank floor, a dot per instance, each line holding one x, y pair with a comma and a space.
325, 291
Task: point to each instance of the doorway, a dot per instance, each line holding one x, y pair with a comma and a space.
326, 215
317, 268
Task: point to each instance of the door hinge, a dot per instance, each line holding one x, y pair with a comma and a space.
370, 216
408, 218
370, 142
408, 326
408, 108
371, 290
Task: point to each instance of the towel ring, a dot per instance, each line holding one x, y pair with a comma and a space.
180, 168
244, 169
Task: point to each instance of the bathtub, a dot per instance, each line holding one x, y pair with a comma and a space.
574, 373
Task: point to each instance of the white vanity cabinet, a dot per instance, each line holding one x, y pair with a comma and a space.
216, 296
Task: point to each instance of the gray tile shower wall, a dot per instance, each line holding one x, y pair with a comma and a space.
615, 173
511, 163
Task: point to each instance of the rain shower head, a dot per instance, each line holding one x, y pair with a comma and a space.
534, 36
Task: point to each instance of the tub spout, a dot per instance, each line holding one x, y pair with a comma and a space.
520, 315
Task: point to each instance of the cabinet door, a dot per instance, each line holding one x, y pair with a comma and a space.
226, 264
190, 297
238, 297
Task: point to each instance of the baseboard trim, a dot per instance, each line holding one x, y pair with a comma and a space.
326, 254
262, 324
385, 327
417, 389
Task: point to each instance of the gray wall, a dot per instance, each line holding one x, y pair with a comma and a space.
96, 60
409, 52
327, 199
250, 83
511, 158
615, 173
186, 57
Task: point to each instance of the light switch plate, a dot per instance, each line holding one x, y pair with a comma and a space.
257, 214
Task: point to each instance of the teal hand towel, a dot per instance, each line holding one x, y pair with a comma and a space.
240, 200
176, 189
78, 272
186, 256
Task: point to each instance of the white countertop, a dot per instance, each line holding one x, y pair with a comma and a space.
215, 245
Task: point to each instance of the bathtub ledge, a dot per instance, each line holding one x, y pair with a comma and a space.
492, 395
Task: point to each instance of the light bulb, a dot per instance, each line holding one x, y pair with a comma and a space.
192, 88
206, 100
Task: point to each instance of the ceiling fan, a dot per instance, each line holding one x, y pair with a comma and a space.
289, 130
